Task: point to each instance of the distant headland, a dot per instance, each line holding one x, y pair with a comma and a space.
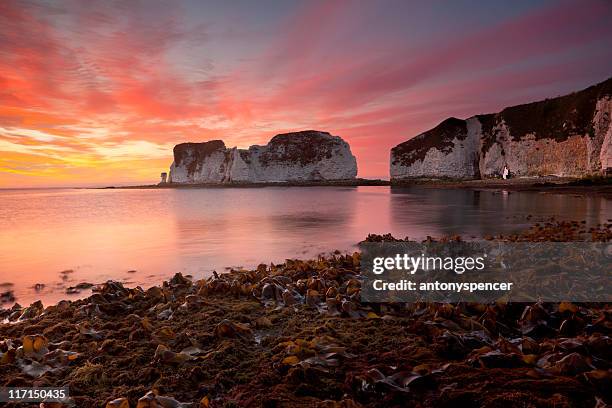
568, 136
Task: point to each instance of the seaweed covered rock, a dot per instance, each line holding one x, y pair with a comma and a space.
291, 157
296, 334
567, 136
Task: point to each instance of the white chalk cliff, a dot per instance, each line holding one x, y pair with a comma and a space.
291, 157
565, 136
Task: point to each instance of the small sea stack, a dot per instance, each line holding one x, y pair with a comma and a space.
290, 157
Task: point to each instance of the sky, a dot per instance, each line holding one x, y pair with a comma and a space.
97, 93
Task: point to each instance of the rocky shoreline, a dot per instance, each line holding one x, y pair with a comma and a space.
559, 185
244, 184
296, 335
586, 186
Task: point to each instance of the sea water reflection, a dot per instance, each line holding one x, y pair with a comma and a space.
103, 234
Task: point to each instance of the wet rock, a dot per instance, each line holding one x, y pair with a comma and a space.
476, 339
288, 298
15, 312
7, 297
89, 310
263, 322
8, 353
111, 289
497, 359
451, 346
167, 314
65, 274
271, 291
164, 334
572, 345
86, 330
333, 306
600, 346
166, 356
193, 302
601, 379
112, 347
155, 293
529, 346
538, 329
312, 298
353, 287
97, 299
573, 364
118, 403
34, 310
331, 292
375, 380
571, 326
534, 313
150, 400
350, 308
178, 279
315, 284
230, 329
38, 287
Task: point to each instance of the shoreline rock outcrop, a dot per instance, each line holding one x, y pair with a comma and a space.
567, 136
299, 156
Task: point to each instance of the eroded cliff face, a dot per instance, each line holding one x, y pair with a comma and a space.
565, 136
444, 151
299, 156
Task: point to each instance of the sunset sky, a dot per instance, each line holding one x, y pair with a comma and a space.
98, 93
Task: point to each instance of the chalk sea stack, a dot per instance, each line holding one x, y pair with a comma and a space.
568, 136
290, 157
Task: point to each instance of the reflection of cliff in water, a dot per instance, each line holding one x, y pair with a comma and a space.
477, 213
304, 212
240, 227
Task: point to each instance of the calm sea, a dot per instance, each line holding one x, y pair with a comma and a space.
109, 234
